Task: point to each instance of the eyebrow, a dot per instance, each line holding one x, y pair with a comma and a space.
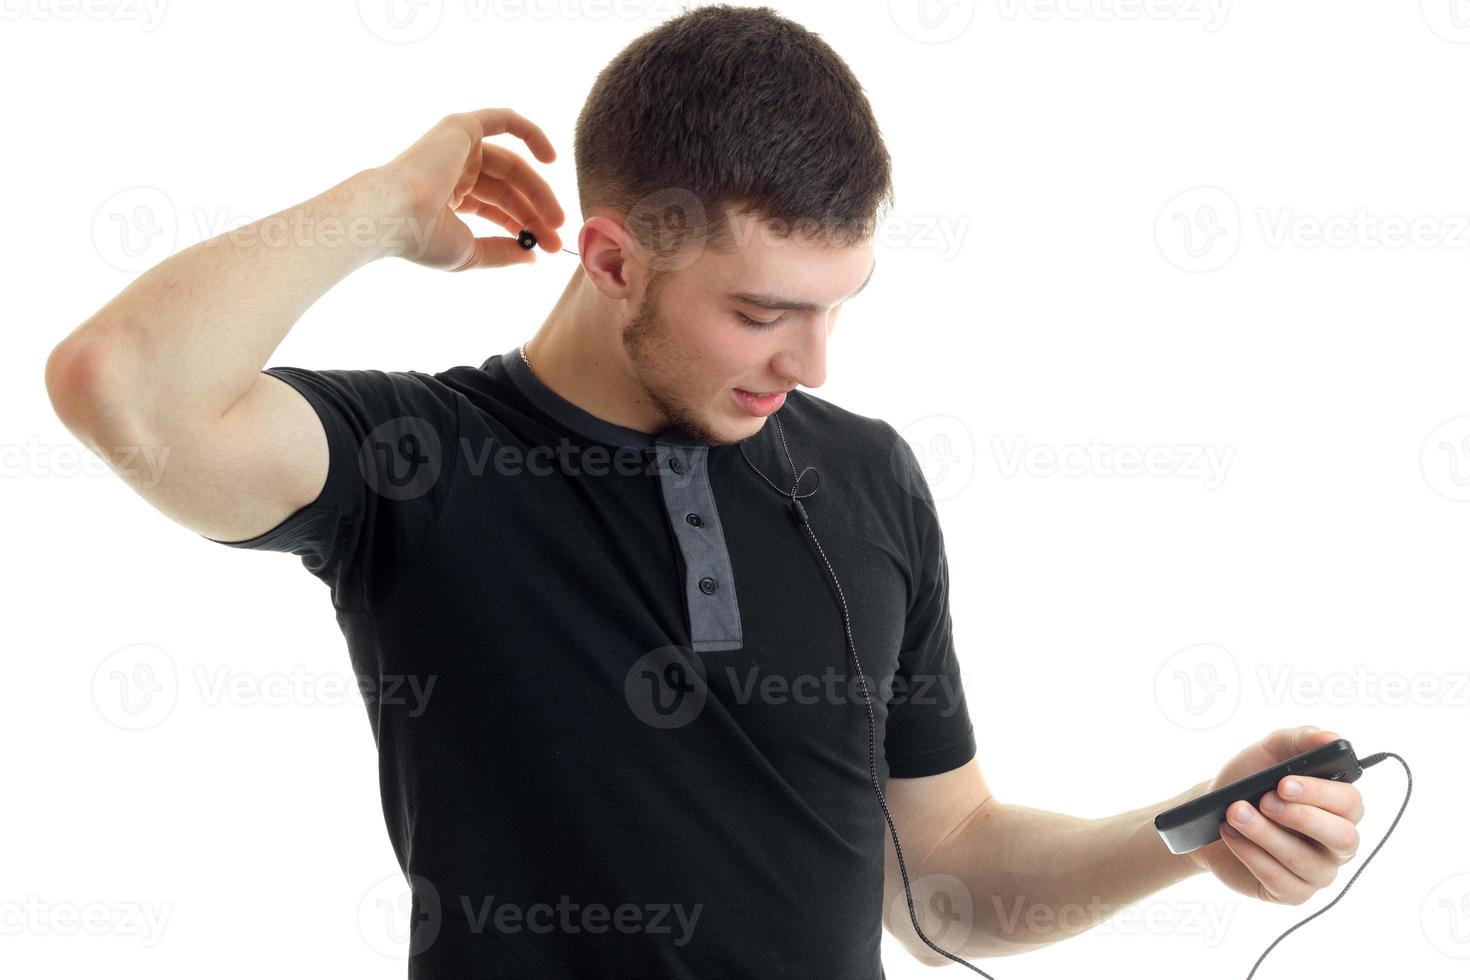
770, 302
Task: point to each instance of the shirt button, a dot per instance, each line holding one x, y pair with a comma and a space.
677, 465
694, 519
706, 585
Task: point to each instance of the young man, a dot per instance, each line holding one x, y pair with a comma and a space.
643, 749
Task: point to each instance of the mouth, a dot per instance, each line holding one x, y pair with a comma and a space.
761, 403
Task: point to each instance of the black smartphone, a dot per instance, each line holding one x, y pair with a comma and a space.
1194, 824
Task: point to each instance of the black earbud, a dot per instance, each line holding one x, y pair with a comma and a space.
527, 241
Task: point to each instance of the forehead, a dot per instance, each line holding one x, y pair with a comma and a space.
766, 262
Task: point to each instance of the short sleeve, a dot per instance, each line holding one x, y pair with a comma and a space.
391, 438
929, 730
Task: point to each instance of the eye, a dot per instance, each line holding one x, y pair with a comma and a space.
759, 324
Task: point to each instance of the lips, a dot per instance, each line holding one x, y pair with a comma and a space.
760, 405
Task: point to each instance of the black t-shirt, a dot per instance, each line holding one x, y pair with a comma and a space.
637, 746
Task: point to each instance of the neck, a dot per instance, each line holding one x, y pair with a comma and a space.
578, 354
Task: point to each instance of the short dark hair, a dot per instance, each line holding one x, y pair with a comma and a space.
732, 108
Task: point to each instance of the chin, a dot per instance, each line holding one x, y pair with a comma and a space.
733, 428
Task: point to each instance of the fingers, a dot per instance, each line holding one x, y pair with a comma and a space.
509, 199
473, 205
1337, 835
525, 195
1290, 868
491, 122
1287, 742
1340, 798
494, 253
503, 165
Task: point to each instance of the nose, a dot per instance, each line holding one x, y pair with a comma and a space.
806, 362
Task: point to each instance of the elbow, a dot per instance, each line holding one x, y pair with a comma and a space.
72, 373
79, 378
68, 373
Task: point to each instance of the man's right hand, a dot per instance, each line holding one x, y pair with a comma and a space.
452, 169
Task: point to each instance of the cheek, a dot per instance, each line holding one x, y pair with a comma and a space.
726, 356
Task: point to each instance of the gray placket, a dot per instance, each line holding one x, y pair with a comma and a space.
709, 581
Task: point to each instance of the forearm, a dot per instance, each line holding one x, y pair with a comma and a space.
190, 336
1034, 877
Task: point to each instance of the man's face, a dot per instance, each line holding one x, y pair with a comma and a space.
692, 352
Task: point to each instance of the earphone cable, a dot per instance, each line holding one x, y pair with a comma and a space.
799, 512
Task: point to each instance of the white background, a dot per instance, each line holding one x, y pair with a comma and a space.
1234, 231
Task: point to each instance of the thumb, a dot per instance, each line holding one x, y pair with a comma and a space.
492, 253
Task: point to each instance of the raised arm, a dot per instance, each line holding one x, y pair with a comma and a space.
173, 364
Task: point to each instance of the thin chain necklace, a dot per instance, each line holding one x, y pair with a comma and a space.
526, 359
